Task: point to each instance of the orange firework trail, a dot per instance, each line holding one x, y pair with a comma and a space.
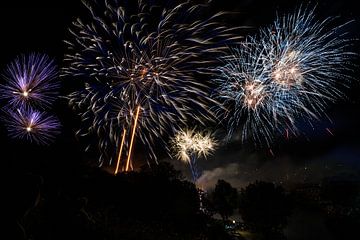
132, 138
120, 151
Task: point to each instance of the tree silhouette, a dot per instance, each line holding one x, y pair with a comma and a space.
341, 201
154, 203
224, 199
264, 208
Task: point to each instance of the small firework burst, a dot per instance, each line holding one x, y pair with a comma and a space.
188, 142
188, 145
32, 125
30, 81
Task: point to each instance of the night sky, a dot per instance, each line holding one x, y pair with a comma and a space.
41, 26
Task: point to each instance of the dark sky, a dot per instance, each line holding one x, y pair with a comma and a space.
40, 26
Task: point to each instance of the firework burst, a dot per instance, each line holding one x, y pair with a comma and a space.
246, 95
291, 70
32, 125
30, 82
308, 61
142, 56
189, 145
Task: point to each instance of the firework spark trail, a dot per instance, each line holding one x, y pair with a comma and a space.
330, 132
120, 151
193, 168
291, 70
132, 138
145, 56
28, 124
189, 145
30, 82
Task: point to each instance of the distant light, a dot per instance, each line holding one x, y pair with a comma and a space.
233, 221
25, 93
28, 129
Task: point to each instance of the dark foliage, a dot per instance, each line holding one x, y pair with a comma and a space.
150, 204
265, 207
340, 200
224, 199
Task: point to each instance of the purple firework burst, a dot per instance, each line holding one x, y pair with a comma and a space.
32, 125
30, 81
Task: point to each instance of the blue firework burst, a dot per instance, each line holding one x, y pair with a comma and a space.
291, 70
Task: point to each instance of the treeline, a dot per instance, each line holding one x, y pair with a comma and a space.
158, 203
